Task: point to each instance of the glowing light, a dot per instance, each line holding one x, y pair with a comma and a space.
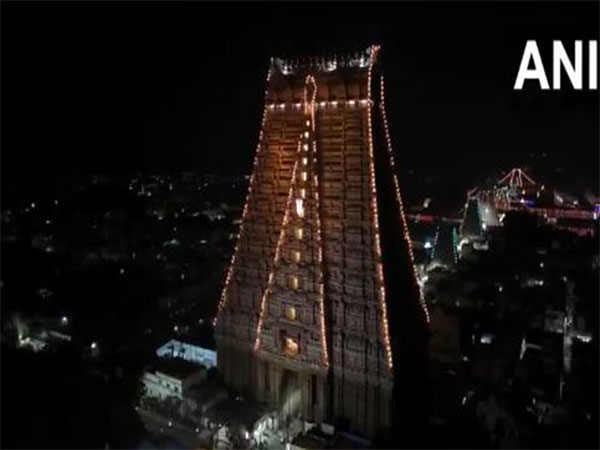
276, 259
455, 245
299, 207
290, 347
400, 203
375, 218
294, 282
321, 277
322, 105
228, 277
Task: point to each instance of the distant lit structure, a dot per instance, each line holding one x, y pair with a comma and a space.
188, 352
444, 250
476, 222
517, 191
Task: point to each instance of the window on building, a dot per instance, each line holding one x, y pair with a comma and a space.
290, 313
300, 207
305, 161
304, 176
290, 347
294, 282
303, 193
297, 256
299, 232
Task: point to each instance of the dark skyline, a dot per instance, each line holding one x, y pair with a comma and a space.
96, 87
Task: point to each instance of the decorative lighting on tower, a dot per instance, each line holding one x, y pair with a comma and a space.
405, 233
257, 156
375, 215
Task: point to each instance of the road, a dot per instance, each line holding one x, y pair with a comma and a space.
159, 425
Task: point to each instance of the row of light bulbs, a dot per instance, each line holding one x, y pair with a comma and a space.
311, 109
455, 245
375, 215
435, 241
319, 105
400, 203
280, 240
228, 277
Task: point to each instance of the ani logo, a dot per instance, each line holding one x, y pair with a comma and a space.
560, 59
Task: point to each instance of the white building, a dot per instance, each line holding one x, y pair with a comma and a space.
188, 352
172, 378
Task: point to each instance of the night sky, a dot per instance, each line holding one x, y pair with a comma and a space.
91, 87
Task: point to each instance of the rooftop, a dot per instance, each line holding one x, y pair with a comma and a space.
324, 62
176, 367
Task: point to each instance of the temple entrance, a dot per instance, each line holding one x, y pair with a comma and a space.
289, 394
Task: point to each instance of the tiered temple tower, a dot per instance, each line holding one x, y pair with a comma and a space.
321, 301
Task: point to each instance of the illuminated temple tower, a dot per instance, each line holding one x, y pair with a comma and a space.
321, 310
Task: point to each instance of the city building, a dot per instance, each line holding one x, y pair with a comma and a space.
189, 352
321, 314
171, 378
444, 250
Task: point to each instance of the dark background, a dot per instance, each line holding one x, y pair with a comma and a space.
120, 87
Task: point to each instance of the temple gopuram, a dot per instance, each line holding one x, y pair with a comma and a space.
321, 314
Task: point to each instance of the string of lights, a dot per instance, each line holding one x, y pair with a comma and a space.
319, 105
435, 241
311, 110
280, 240
223, 299
400, 203
303, 145
482, 225
455, 245
375, 216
